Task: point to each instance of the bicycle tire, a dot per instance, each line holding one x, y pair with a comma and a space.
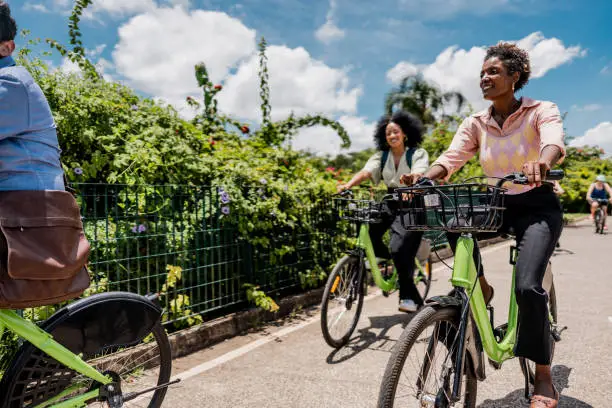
27, 393
552, 307
598, 217
425, 317
358, 267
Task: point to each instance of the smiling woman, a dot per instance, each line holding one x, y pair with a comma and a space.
517, 136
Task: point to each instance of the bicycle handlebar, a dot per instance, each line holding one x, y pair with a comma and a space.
520, 178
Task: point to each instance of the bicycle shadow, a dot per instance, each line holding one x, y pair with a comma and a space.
516, 398
366, 337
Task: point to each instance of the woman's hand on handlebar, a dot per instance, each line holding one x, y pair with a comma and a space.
410, 179
342, 188
535, 171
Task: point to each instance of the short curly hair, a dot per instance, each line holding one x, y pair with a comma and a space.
8, 27
514, 59
410, 125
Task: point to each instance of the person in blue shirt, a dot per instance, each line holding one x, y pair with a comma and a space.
598, 194
29, 149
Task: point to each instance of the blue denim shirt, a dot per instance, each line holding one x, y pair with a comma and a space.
29, 150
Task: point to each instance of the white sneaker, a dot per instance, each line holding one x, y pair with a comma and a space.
407, 306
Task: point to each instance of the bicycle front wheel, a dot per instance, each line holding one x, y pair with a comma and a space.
421, 370
39, 378
342, 301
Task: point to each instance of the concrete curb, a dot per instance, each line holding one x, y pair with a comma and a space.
196, 338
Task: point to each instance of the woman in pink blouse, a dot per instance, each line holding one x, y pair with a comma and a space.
516, 135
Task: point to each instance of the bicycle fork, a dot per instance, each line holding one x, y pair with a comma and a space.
443, 400
460, 357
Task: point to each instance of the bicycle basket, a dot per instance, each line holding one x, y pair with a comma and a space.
361, 211
455, 208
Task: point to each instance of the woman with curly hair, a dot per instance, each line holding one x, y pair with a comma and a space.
516, 135
397, 138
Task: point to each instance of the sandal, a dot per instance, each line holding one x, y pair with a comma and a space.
540, 401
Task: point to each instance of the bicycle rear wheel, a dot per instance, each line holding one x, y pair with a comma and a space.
421, 370
38, 378
342, 301
598, 221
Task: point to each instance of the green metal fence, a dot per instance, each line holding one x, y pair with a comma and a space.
137, 231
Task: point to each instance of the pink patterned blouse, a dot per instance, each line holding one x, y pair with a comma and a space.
535, 125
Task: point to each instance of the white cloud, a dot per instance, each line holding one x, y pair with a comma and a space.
458, 69
69, 67
29, 6
400, 71
588, 108
157, 51
548, 53
96, 51
119, 8
606, 70
600, 135
103, 66
329, 31
298, 84
322, 140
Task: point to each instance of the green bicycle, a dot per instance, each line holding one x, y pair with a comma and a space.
346, 285
106, 350
439, 357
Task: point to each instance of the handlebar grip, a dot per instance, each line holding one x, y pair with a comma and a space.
555, 175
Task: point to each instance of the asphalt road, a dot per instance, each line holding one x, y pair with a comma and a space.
288, 364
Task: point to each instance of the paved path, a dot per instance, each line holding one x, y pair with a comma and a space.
290, 365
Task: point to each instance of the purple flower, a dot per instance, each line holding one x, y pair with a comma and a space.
225, 198
134, 107
263, 181
220, 190
139, 228
78, 171
225, 210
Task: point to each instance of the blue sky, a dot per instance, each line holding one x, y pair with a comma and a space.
340, 57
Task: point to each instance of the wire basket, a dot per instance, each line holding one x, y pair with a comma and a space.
359, 211
454, 208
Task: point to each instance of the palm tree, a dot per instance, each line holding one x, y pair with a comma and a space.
419, 97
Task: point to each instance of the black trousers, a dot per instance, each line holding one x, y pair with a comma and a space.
403, 248
536, 219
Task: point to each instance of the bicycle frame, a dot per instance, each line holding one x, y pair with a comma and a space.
365, 243
44, 341
465, 276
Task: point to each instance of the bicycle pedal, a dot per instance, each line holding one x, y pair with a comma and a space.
500, 332
556, 333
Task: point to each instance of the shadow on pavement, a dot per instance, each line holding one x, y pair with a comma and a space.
516, 398
366, 337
